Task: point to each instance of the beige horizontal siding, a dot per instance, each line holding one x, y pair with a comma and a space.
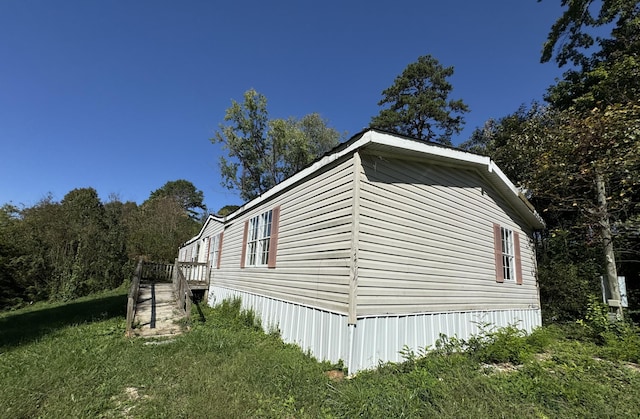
426, 241
312, 264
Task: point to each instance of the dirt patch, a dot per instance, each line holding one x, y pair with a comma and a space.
501, 367
633, 366
127, 401
335, 375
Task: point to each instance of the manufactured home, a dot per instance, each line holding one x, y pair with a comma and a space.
385, 242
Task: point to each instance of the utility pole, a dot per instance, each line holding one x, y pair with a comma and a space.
610, 259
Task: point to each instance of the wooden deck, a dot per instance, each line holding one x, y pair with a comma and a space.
198, 285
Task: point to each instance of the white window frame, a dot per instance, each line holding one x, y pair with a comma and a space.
258, 239
214, 250
508, 254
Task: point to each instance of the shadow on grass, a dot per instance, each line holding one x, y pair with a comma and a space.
30, 324
198, 298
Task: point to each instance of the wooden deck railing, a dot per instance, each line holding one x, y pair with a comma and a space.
157, 271
132, 298
193, 271
184, 296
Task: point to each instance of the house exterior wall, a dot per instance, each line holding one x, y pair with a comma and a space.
196, 250
376, 251
314, 241
426, 241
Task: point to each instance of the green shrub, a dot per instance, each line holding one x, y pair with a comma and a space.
497, 345
565, 286
232, 309
618, 339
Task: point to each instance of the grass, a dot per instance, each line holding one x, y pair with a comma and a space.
72, 360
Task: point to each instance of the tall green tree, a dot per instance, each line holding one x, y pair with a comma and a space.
63, 250
158, 227
571, 38
245, 141
185, 193
418, 104
263, 152
12, 291
297, 142
606, 70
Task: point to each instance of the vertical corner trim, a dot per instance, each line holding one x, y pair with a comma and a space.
355, 239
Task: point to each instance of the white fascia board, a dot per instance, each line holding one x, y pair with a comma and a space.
204, 226
520, 200
492, 167
426, 148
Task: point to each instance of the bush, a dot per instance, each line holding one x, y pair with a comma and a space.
564, 290
619, 340
232, 309
501, 345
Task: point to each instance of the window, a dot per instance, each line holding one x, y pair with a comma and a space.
215, 246
194, 257
261, 239
506, 243
213, 250
258, 239
508, 255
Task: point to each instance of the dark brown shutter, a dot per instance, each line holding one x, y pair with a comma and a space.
244, 244
497, 252
516, 249
220, 250
273, 241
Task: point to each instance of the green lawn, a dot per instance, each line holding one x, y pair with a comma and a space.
72, 360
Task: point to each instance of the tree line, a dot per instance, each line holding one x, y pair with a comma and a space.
80, 245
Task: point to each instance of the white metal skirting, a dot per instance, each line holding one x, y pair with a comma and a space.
374, 339
381, 338
320, 332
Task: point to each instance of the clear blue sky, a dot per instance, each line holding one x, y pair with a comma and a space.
123, 95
